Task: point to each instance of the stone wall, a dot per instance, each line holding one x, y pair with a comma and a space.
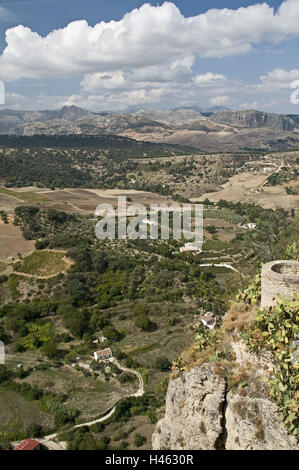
279, 278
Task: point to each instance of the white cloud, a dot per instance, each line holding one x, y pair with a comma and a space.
209, 79
146, 37
219, 100
153, 76
279, 78
147, 58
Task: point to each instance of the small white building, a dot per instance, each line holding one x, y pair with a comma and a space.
251, 226
191, 247
102, 355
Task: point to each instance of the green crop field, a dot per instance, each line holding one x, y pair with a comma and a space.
43, 263
25, 196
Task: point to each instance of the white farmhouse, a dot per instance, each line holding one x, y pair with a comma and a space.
191, 247
103, 354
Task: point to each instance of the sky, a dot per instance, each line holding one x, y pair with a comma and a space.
117, 54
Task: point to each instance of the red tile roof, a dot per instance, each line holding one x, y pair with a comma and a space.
104, 352
28, 444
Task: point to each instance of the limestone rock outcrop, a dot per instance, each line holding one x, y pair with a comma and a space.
193, 418
204, 413
254, 119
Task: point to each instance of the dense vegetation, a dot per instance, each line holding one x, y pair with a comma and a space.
71, 161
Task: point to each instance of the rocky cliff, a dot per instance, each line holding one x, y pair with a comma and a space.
254, 119
205, 411
177, 118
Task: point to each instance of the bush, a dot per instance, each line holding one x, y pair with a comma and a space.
144, 323
161, 363
139, 440
50, 350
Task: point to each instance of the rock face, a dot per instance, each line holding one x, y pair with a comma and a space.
254, 424
193, 416
178, 117
14, 122
202, 414
254, 119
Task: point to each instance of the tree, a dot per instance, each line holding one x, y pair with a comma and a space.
37, 335
111, 333
50, 350
5, 374
211, 229
2, 333
103, 443
144, 323
75, 320
100, 261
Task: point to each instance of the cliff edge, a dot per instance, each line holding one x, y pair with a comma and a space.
203, 413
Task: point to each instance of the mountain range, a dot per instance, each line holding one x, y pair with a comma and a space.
222, 129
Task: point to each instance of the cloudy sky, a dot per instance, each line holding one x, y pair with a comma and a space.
110, 55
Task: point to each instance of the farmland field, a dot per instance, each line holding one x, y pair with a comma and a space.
13, 242
248, 187
43, 263
18, 414
24, 196
90, 396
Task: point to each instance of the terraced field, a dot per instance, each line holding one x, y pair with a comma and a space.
43, 264
18, 414
90, 396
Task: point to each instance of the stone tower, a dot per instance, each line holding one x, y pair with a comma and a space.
279, 277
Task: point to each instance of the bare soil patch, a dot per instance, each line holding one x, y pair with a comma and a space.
12, 242
247, 187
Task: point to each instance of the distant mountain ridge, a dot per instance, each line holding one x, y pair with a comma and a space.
223, 129
254, 119
11, 121
178, 117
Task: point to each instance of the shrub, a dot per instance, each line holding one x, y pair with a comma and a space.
139, 440
161, 363
144, 323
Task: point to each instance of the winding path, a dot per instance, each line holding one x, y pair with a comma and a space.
221, 265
